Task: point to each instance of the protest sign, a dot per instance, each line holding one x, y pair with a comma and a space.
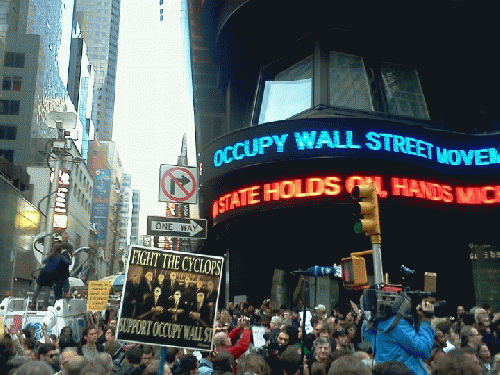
97, 297
169, 298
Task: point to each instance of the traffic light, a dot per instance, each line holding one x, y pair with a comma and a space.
354, 272
367, 206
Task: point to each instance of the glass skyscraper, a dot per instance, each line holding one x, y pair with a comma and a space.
100, 22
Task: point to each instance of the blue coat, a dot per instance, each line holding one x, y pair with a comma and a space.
404, 343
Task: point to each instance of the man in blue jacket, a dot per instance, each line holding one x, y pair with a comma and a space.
403, 342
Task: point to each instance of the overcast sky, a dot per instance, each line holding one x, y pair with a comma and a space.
153, 105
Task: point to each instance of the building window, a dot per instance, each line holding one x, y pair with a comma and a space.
287, 93
13, 60
349, 86
403, 91
342, 81
7, 154
8, 132
11, 83
9, 107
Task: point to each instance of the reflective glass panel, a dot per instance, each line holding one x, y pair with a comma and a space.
288, 94
403, 91
349, 85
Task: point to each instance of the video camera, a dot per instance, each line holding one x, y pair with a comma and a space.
384, 301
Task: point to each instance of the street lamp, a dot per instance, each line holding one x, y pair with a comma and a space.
61, 121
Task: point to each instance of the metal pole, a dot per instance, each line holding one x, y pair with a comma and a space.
377, 263
52, 204
227, 280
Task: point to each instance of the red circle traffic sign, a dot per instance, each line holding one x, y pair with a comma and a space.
187, 193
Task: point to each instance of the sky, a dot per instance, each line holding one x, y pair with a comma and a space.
153, 100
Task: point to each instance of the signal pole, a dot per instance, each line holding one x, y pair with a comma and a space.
370, 224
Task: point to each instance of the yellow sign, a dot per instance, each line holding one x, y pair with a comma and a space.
98, 294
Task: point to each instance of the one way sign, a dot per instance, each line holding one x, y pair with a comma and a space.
177, 227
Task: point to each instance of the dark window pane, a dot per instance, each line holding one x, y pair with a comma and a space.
16, 83
4, 107
10, 134
8, 59
6, 84
2, 131
7, 154
14, 107
19, 60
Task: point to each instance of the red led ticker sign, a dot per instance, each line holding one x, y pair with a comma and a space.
334, 185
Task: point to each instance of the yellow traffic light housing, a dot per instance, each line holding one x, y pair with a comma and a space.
367, 206
354, 272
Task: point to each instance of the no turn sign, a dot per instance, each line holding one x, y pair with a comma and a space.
178, 184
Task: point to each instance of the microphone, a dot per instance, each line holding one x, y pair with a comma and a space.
320, 271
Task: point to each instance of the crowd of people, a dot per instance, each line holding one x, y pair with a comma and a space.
329, 344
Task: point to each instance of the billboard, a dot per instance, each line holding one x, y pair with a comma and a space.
438, 150
100, 204
169, 298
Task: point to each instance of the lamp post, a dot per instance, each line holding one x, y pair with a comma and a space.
61, 121
116, 220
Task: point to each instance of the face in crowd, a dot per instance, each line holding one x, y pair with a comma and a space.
322, 351
91, 336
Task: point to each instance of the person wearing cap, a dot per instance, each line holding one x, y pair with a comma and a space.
343, 340
223, 341
320, 311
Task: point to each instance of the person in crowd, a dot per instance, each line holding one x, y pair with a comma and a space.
470, 337
109, 335
61, 284
7, 354
48, 354
88, 344
349, 365
322, 349
172, 355
34, 368
242, 333
458, 361
484, 356
148, 355
186, 365
101, 332
132, 365
342, 340
104, 360
402, 341
390, 368
254, 363
152, 368
115, 349
291, 361
320, 312
273, 330
64, 357
93, 368
53, 269
224, 363
205, 365
65, 341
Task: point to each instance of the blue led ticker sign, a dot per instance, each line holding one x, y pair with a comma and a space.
445, 151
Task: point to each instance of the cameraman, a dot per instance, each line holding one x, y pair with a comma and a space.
405, 342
